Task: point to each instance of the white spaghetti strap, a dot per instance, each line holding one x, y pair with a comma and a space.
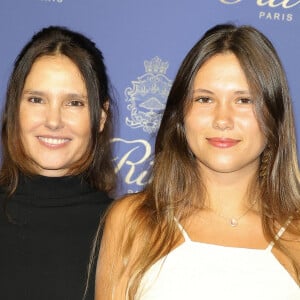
184, 233
279, 233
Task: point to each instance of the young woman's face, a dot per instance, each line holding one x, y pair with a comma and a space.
54, 115
221, 128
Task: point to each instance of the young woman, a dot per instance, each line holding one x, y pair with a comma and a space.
56, 166
220, 217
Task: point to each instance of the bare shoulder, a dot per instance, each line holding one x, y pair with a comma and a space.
122, 209
128, 201
113, 255
117, 221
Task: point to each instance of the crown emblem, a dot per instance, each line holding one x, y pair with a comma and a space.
156, 66
147, 96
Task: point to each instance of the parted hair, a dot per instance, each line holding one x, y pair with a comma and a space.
96, 164
174, 190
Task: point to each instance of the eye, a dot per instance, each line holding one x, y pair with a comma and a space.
76, 103
35, 100
244, 101
203, 100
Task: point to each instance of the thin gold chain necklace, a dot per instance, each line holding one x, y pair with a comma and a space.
234, 221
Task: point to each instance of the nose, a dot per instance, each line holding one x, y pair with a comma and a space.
223, 117
53, 119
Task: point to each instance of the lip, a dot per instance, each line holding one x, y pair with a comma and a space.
222, 142
53, 142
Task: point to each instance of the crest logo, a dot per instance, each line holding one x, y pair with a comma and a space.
148, 95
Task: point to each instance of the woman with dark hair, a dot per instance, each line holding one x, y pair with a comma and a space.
220, 217
57, 169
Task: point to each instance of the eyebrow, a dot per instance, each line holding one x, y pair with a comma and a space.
40, 93
33, 92
242, 92
202, 91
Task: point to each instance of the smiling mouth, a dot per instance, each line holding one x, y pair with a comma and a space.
223, 142
53, 141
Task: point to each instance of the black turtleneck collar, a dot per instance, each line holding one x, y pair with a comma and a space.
52, 191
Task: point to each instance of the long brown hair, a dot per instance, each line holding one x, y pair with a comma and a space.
96, 165
172, 192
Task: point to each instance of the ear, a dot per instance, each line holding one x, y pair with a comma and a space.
103, 116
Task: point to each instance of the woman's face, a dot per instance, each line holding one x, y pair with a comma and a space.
221, 128
54, 115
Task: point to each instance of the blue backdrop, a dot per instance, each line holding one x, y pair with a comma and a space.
143, 43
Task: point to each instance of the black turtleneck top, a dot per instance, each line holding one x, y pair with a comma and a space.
45, 249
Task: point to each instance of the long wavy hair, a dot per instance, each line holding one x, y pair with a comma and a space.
172, 192
96, 164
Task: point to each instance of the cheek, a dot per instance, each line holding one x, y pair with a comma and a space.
195, 133
196, 126
79, 124
255, 135
252, 127
22, 117
28, 120
24, 123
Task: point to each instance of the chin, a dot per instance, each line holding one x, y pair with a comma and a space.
52, 170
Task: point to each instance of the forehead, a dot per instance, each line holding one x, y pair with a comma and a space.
45, 62
53, 72
221, 71
221, 63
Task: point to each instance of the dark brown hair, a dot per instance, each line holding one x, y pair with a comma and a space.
96, 165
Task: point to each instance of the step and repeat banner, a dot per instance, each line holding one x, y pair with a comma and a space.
144, 42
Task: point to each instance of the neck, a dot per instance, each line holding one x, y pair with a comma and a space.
229, 193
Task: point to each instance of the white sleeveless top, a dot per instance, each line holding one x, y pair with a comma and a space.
197, 270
